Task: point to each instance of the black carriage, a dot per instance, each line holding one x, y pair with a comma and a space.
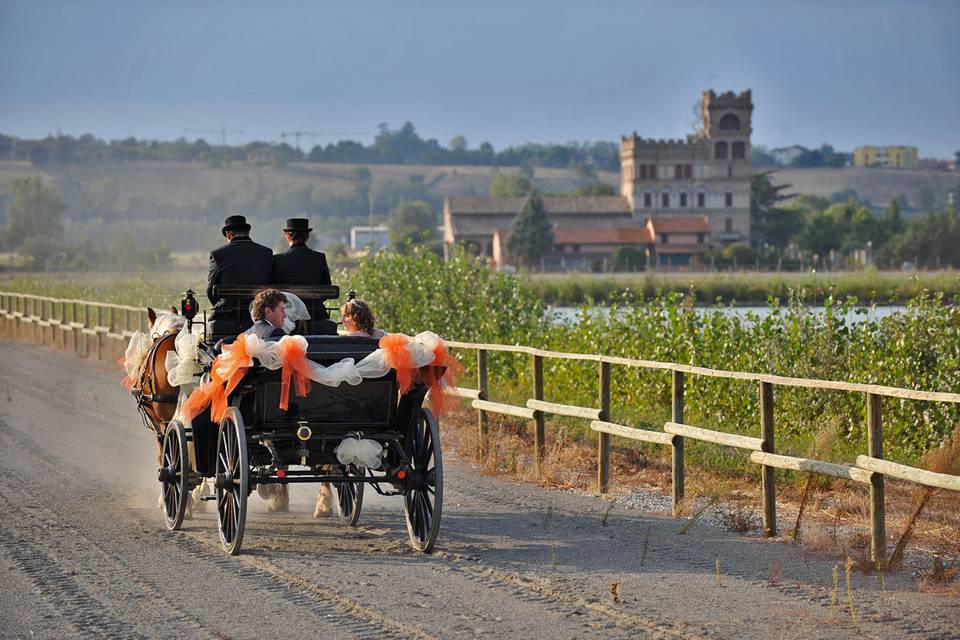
256, 442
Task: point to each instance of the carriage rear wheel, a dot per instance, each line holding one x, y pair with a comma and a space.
423, 500
349, 497
231, 481
174, 475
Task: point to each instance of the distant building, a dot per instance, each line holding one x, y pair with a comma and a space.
895, 156
666, 242
704, 179
375, 238
707, 174
473, 221
786, 155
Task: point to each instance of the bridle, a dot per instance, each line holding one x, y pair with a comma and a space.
145, 390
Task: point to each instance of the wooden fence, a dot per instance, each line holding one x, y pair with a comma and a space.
870, 469
89, 329
101, 331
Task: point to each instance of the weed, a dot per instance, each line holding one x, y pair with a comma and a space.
547, 517
683, 530
645, 545
848, 565
836, 588
606, 514
615, 591
718, 572
776, 573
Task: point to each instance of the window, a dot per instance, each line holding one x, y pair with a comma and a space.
643, 172
652, 170
729, 122
648, 200
683, 199
687, 170
738, 150
700, 238
678, 171
701, 199
576, 248
665, 199
729, 171
559, 248
728, 197
728, 224
720, 151
663, 238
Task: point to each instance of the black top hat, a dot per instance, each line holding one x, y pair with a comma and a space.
235, 223
297, 224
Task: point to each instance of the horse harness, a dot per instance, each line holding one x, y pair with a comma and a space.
145, 390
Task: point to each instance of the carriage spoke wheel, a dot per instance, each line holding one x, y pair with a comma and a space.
424, 497
349, 497
174, 474
231, 481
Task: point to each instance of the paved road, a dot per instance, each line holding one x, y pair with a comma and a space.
83, 552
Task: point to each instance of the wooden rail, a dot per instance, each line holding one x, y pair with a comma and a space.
870, 469
102, 331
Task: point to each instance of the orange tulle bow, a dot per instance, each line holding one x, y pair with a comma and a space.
443, 390
128, 380
234, 363
293, 355
400, 359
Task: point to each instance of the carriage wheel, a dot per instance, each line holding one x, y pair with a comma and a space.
174, 475
231, 481
424, 499
349, 497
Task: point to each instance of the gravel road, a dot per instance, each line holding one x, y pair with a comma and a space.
83, 552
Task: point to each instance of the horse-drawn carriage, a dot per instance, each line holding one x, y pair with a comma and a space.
363, 424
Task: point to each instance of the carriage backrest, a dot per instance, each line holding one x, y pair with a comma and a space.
314, 297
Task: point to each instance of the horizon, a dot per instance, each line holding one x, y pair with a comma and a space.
845, 75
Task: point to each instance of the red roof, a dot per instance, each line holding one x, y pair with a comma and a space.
595, 235
680, 224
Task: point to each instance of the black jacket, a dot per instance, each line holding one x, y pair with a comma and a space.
300, 265
242, 261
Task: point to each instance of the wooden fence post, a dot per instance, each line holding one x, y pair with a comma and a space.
878, 536
482, 388
768, 473
538, 432
603, 444
677, 453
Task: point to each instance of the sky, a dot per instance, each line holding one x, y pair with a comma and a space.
504, 72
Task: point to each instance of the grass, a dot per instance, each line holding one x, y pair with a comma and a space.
756, 288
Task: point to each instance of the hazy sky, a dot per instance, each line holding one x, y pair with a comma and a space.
848, 73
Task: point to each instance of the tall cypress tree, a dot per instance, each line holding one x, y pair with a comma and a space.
531, 234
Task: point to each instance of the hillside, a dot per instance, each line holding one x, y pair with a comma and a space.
878, 185
190, 185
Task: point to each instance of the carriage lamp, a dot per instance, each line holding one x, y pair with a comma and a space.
188, 306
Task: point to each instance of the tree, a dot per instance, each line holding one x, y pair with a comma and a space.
770, 223
595, 189
505, 185
411, 223
458, 144
531, 234
891, 218
628, 257
35, 210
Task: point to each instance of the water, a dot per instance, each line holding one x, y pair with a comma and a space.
562, 315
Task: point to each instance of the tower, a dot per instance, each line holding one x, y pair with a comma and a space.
727, 124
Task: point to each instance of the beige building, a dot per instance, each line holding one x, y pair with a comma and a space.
896, 156
707, 174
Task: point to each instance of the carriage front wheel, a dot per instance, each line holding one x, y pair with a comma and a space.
174, 475
232, 481
423, 500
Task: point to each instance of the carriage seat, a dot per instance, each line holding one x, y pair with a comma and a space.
313, 297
